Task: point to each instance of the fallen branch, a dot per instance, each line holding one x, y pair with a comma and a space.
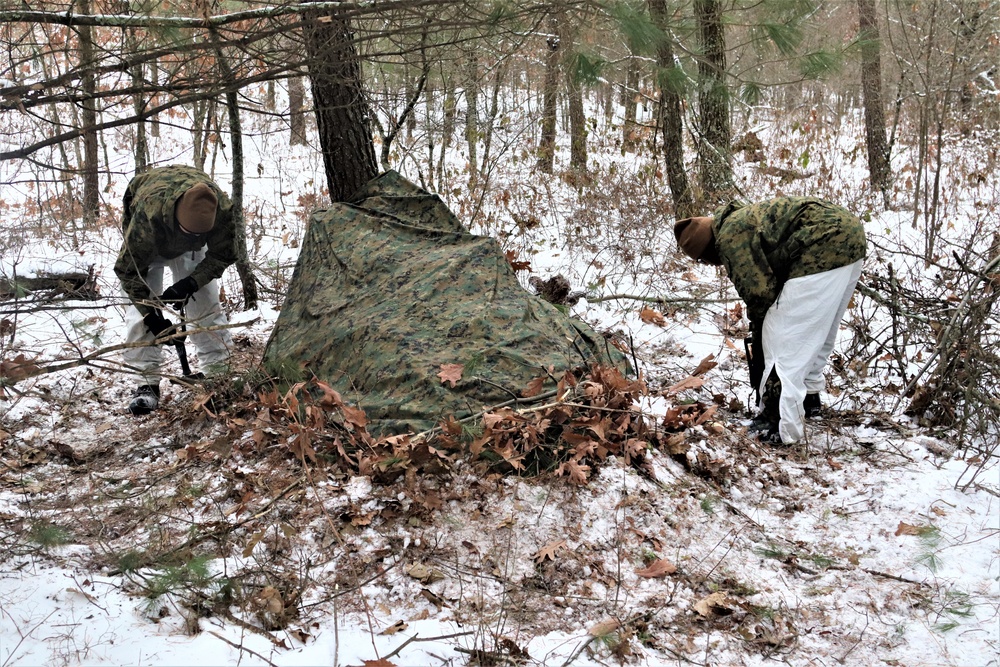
655, 299
27, 370
418, 638
241, 647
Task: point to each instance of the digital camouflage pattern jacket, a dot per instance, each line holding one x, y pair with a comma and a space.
151, 231
765, 244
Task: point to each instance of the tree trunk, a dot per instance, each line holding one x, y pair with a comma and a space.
577, 118
141, 153
715, 166
243, 267
472, 116
871, 87
671, 116
448, 123
296, 111
547, 141
630, 130
91, 177
343, 116
577, 124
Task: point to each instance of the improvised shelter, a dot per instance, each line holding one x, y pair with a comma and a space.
390, 286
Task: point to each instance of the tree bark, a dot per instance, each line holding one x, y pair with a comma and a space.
871, 88
243, 266
343, 116
547, 141
91, 178
715, 136
671, 117
630, 130
472, 116
577, 117
296, 111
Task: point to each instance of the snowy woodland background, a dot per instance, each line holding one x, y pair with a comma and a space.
226, 529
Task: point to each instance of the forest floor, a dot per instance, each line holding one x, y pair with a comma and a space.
206, 533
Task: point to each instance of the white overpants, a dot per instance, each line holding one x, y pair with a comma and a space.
798, 335
202, 310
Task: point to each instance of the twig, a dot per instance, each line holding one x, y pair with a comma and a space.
655, 299
30, 371
418, 638
242, 648
945, 338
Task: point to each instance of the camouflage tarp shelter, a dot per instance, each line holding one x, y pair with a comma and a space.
390, 287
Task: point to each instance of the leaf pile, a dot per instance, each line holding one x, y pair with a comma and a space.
591, 418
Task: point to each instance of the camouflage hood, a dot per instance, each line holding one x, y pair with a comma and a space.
391, 287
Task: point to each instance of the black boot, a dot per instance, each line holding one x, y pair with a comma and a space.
144, 399
811, 405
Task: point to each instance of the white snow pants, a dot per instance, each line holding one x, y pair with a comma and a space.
202, 310
798, 335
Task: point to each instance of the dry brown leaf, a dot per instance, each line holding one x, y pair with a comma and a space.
687, 383
908, 529
451, 373
704, 366
424, 574
548, 552
534, 387
398, 626
656, 569
716, 604
355, 416
650, 316
677, 444
604, 628
381, 662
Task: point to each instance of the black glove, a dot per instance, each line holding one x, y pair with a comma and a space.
157, 323
180, 291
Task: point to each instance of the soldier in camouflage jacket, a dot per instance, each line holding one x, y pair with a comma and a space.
795, 262
175, 217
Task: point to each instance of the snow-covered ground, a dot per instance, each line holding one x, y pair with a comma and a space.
856, 547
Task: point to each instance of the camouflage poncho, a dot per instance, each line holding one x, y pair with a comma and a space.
766, 244
391, 290
151, 230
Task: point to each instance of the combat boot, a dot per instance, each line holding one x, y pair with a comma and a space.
144, 399
811, 405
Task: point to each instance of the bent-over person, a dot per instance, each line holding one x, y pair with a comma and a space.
175, 217
795, 262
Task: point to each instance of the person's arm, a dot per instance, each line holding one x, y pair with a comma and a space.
740, 247
221, 252
137, 253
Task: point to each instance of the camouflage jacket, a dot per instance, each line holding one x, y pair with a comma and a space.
151, 231
765, 244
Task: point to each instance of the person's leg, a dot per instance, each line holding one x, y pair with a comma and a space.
144, 360
815, 382
205, 310
796, 329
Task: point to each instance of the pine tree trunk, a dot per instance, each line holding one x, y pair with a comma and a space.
547, 141
671, 117
715, 136
343, 116
296, 111
472, 116
871, 87
243, 266
630, 130
91, 178
577, 124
